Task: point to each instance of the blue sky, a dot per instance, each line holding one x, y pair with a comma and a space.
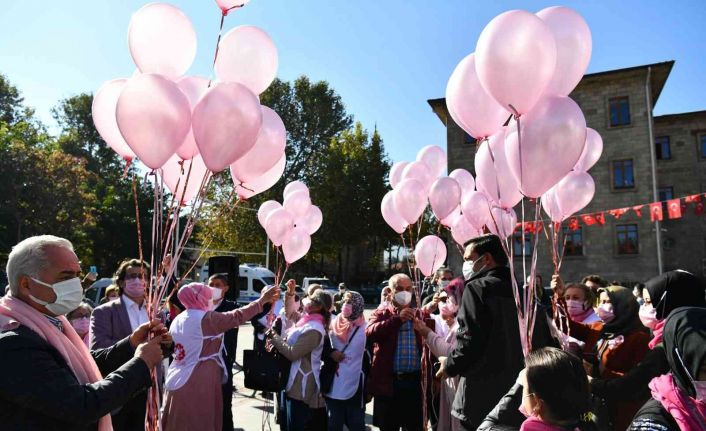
385, 57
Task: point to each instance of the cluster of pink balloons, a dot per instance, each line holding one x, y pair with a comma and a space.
525, 66
162, 117
291, 224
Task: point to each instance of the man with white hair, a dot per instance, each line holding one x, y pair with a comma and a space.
50, 380
395, 376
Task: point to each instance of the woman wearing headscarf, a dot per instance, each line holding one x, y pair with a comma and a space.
441, 342
303, 346
193, 395
345, 403
615, 345
662, 294
679, 397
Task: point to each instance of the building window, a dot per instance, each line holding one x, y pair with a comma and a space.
666, 193
573, 242
663, 149
517, 243
468, 139
627, 239
702, 145
623, 177
619, 111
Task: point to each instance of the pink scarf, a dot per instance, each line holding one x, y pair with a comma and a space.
688, 413
657, 334
342, 327
69, 344
535, 424
306, 318
579, 318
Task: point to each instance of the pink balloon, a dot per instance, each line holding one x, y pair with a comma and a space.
430, 254
103, 113
193, 87
493, 176
226, 123
462, 231
435, 159
470, 106
410, 200
161, 40
390, 214
503, 222
293, 187
420, 172
551, 205
574, 192
311, 221
515, 59
573, 48
553, 137
178, 174
265, 209
247, 55
444, 197
153, 116
268, 148
450, 220
228, 5
264, 182
278, 224
476, 208
297, 203
396, 173
591, 151
296, 245
464, 179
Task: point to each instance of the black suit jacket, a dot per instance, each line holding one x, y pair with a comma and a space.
38, 390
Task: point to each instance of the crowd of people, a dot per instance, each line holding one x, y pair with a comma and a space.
445, 356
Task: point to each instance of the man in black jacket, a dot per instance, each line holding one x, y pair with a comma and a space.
488, 354
230, 341
38, 389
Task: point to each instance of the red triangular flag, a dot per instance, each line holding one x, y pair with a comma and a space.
674, 208
699, 208
573, 223
600, 218
638, 210
656, 211
692, 199
617, 213
588, 219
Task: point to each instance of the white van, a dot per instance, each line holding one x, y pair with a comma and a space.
252, 279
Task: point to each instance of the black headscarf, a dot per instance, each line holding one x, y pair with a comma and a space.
625, 308
675, 289
685, 332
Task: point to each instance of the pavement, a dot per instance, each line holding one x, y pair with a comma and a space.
251, 412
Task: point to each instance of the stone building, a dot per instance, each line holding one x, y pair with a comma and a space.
642, 156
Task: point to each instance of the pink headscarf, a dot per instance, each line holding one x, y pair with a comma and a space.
14, 311
657, 334
535, 424
195, 296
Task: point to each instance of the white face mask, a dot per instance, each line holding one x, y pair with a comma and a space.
403, 298
443, 283
69, 294
217, 294
468, 271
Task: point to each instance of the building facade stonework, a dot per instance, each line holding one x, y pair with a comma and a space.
618, 105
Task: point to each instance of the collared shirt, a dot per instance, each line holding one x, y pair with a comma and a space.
136, 313
407, 358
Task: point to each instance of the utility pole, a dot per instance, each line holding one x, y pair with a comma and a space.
653, 160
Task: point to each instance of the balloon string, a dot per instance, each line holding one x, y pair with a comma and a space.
220, 33
519, 142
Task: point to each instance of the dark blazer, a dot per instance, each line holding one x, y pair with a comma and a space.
38, 390
109, 324
488, 351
